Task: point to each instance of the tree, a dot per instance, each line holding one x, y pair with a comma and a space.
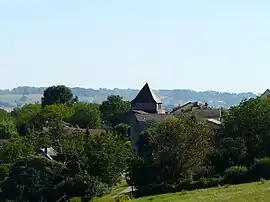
24, 117
171, 150
122, 130
39, 179
58, 95
112, 108
53, 113
107, 157
7, 129
86, 115
246, 133
4, 114
10, 151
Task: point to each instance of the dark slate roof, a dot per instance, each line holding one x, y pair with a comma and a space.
205, 113
152, 117
188, 106
146, 95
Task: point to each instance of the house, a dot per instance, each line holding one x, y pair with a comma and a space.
48, 152
189, 106
202, 111
266, 94
139, 121
147, 101
145, 107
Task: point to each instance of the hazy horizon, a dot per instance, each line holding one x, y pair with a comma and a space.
134, 89
174, 44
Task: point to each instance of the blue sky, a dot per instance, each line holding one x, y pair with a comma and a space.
172, 44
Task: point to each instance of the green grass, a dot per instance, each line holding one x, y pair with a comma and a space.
109, 197
257, 191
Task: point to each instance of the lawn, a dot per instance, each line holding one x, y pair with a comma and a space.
115, 191
258, 191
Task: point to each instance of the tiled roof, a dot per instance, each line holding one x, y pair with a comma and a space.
146, 95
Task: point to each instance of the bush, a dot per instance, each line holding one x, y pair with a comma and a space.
122, 198
4, 171
154, 189
260, 169
236, 175
75, 199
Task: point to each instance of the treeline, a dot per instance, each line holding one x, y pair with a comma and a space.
180, 153
87, 165
184, 154
170, 97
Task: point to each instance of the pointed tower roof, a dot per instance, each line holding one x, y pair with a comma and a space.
146, 95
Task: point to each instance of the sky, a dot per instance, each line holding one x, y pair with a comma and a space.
218, 45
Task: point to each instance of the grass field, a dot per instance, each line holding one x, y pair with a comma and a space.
258, 191
115, 191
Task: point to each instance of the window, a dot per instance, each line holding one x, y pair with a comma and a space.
159, 106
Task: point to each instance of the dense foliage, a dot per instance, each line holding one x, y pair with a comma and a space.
173, 150
175, 154
86, 166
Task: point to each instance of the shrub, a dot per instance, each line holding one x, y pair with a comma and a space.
122, 198
4, 170
260, 169
75, 199
154, 189
236, 175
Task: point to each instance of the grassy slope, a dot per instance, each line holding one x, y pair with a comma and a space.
115, 191
251, 192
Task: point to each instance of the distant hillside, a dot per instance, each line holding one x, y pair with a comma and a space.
21, 95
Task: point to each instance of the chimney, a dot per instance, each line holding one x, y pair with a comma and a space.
46, 150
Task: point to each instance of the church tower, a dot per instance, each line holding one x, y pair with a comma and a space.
147, 101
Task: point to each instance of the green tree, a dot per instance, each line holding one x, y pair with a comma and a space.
171, 150
39, 179
4, 114
25, 117
53, 113
107, 157
86, 115
246, 133
10, 151
58, 95
122, 129
112, 108
7, 129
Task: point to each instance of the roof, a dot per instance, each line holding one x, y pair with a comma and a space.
214, 121
189, 106
146, 95
206, 113
152, 117
50, 153
201, 113
266, 93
